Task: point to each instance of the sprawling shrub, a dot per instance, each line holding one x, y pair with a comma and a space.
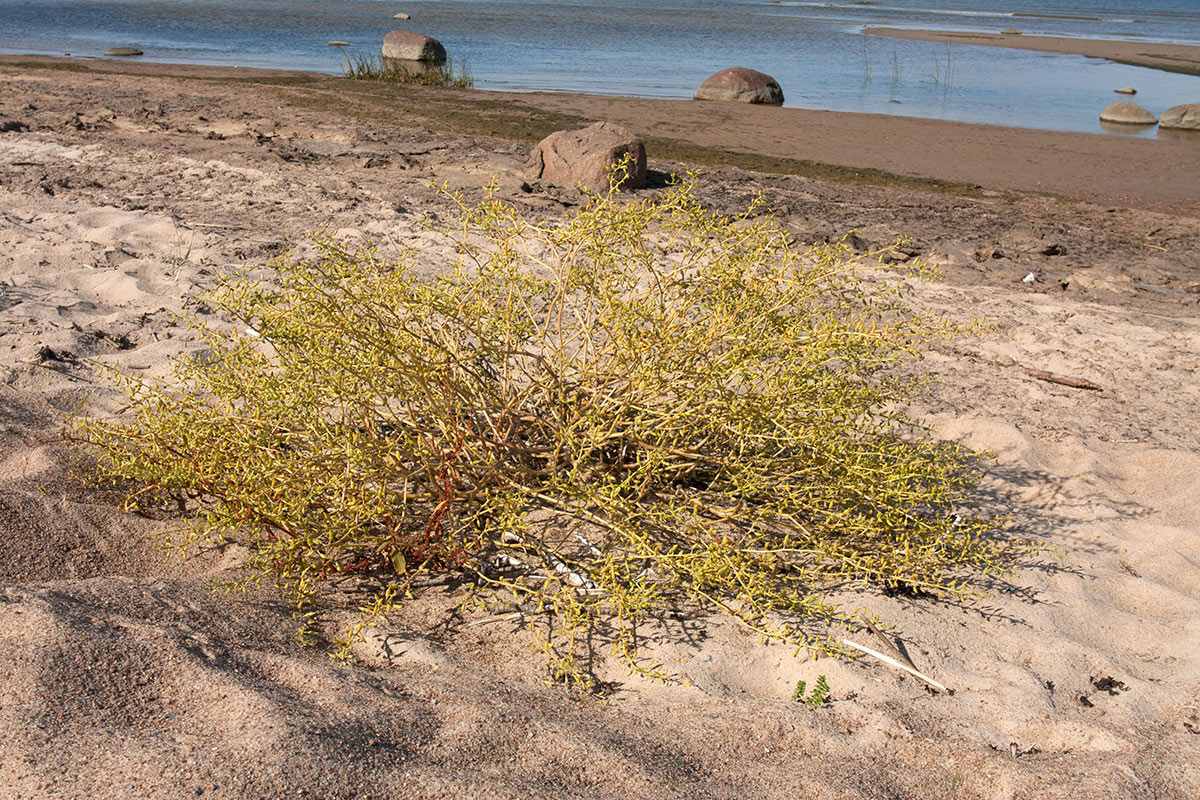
648, 406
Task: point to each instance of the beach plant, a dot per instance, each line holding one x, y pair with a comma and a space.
646, 409
375, 68
815, 698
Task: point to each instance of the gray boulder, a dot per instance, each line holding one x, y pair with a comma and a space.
741, 85
570, 158
411, 46
1184, 118
1126, 113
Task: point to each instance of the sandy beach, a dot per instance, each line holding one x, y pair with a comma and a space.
126, 189
1156, 55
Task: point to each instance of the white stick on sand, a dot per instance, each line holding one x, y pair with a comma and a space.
898, 665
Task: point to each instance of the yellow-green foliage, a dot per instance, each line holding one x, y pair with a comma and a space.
649, 406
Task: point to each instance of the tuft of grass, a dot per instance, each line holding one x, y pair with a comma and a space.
376, 68
648, 409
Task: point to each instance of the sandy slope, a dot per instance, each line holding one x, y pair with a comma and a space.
122, 676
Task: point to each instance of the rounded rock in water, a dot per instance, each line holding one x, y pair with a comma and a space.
1184, 117
412, 46
1126, 113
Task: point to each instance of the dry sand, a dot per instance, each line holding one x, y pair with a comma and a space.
122, 676
1157, 55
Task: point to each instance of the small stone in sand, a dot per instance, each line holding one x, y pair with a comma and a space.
1010, 32
570, 158
401, 15
410, 46
1127, 113
122, 51
1185, 117
336, 43
1126, 90
741, 85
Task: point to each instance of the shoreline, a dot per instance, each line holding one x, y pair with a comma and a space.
973, 159
1179, 58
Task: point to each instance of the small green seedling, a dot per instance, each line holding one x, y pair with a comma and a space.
816, 698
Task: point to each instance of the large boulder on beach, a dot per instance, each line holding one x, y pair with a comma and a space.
587, 156
741, 85
1126, 113
1185, 117
412, 46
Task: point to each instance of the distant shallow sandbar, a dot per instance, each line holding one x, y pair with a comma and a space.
1156, 55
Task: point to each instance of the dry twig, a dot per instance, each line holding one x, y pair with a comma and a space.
1077, 383
897, 664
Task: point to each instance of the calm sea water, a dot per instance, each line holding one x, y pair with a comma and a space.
665, 49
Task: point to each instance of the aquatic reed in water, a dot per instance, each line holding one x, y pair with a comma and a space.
376, 68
